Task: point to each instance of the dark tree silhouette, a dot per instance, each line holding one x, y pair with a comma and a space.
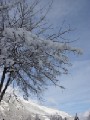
76, 117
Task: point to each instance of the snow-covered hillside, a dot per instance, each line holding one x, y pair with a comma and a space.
18, 109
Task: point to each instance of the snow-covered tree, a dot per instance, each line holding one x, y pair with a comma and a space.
37, 117
26, 58
55, 117
65, 118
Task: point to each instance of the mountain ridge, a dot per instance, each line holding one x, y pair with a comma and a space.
13, 108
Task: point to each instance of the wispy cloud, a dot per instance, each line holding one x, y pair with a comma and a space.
76, 97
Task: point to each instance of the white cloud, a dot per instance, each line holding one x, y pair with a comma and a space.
86, 114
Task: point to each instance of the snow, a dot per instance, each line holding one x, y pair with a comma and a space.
3, 7
47, 119
23, 109
33, 39
9, 62
22, 39
43, 110
4, 106
44, 56
9, 5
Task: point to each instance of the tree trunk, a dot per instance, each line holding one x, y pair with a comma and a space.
5, 88
3, 78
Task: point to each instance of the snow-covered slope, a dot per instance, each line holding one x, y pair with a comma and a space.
42, 109
14, 109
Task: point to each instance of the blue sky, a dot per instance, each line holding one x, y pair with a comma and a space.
76, 96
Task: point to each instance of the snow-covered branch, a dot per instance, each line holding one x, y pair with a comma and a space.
30, 60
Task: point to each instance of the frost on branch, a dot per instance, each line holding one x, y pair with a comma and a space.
30, 61
33, 59
9, 5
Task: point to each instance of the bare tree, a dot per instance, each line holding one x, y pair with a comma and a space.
26, 58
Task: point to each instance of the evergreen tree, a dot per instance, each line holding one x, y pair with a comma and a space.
76, 117
37, 117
